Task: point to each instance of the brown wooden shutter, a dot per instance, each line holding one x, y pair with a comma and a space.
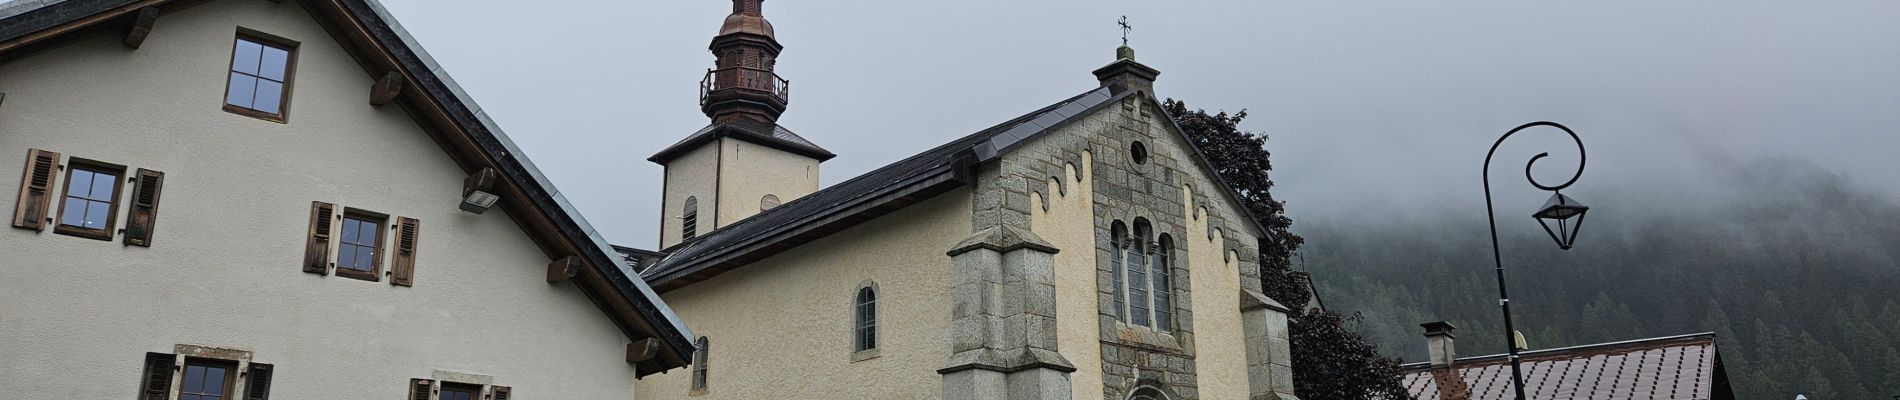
316, 253
143, 217
257, 386
500, 393
405, 259
419, 388
157, 381
36, 189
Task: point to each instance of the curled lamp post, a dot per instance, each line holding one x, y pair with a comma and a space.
1559, 210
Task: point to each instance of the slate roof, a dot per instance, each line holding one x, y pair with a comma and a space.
757, 131
31, 16
839, 206
1674, 367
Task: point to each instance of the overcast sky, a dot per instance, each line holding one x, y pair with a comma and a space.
1374, 109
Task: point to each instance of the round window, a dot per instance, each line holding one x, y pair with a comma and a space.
1138, 152
768, 202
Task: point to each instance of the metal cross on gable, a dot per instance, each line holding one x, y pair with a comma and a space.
1125, 28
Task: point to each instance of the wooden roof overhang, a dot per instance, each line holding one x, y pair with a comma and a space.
454, 123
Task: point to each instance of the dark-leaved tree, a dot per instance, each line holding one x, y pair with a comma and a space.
1330, 361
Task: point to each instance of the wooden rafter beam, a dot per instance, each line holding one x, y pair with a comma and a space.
563, 269
142, 21
643, 350
386, 88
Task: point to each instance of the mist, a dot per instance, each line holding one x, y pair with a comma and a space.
1793, 267
1375, 109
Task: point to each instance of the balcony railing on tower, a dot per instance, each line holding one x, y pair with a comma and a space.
744, 78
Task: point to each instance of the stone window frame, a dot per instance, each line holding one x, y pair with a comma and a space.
483, 386
859, 352
1156, 251
238, 379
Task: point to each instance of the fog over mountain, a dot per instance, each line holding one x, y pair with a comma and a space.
1796, 277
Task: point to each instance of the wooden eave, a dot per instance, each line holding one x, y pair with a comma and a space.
427, 98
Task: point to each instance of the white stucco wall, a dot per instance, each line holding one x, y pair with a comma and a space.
752, 171
1219, 340
694, 174
780, 328
77, 315
1069, 225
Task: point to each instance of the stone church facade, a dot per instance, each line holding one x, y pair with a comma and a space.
1084, 250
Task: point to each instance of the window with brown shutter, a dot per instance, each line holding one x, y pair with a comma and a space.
257, 385
89, 207
500, 393
316, 255
208, 379
420, 389
156, 382
403, 263
144, 216
360, 253
459, 391
36, 189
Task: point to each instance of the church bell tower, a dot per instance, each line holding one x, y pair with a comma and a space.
744, 162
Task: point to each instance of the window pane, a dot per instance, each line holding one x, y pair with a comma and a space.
96, 214
346, 256
245, 58
363, 256
349, 230
274, 64
190, 397
73, 212
214, 380
243, 88
270, 95
367, 236
194, 378
102, 186
80, 183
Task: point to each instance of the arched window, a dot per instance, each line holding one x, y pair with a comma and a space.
1117, 238
689, 218
1141, 268
1147, 393
866, 332
699, 365
1138, 285
1163, 286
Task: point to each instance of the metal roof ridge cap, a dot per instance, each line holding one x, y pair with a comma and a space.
805, 220
1697, 335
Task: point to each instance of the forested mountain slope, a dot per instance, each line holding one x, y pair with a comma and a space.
1793, 267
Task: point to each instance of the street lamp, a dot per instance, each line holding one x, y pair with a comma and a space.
1558, 210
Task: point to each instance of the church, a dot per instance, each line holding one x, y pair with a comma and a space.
290, 199
1084, 250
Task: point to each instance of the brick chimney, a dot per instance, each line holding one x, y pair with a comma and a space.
1451, 383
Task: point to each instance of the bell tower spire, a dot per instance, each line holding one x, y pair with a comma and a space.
742, 163
742, 82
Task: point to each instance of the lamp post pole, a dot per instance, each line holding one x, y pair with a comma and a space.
1504, 297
